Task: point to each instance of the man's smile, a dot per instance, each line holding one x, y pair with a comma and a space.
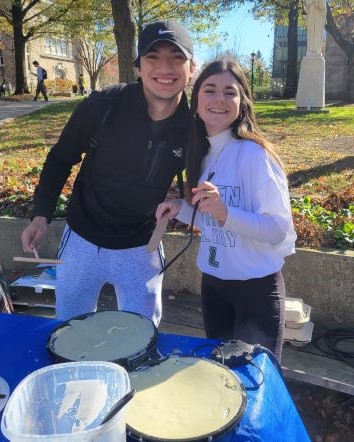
165, 80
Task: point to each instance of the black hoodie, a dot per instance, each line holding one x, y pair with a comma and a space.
122, 181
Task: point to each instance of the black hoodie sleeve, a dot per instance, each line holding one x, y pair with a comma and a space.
67, 152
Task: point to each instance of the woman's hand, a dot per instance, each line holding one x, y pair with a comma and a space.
209, 201
169, 207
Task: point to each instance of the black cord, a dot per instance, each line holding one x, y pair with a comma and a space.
247, 357
329, 343
166, 266
216, 347
195, 208
260, 349
250, 361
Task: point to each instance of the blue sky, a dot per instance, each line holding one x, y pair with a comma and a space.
245, 35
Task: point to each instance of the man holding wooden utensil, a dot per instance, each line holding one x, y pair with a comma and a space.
132, 155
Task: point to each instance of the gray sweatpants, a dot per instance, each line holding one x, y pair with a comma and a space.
86, 268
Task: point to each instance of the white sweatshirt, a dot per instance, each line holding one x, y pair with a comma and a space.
258, 232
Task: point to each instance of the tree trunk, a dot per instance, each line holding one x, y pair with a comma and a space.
93, 80
124, 33
20, 51
347, 47
349, 84
291, 67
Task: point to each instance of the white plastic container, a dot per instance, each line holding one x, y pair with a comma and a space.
5, 391
296, 312
67, 402
298, 337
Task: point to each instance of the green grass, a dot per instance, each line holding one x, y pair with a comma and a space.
24, 144
317, 148
37, 130
334, 119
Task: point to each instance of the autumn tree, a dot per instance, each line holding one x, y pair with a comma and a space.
89, 26
291, 14
283, 12
30, 19
94, 54
200, 17
340, 24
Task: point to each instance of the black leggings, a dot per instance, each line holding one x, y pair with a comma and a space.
252, 311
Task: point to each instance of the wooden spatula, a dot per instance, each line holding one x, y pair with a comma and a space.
157, 234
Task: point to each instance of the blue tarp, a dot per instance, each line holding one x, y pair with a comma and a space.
270, 413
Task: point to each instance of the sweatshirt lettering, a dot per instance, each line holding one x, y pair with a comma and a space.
230, 195
219, 237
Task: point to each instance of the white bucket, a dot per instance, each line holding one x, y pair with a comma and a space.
67, 402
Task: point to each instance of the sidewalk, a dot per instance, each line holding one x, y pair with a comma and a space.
13, 109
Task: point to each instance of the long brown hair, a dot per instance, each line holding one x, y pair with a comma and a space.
244, 127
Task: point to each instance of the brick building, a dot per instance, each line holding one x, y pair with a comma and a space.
335, 58
57, 56
336, 63
7, 61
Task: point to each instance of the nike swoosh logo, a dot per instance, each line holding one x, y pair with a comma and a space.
165, 32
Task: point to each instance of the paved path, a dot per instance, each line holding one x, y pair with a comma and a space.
14, 109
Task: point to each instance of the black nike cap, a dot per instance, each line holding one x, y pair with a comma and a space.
165, 30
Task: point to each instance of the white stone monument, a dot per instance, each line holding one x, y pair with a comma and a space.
311, 87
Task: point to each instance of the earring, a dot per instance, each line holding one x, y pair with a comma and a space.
196, 116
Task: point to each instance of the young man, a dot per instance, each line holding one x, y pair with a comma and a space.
3, 88
81, 84
111, 214
40, 82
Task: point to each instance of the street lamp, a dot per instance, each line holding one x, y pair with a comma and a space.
253, 57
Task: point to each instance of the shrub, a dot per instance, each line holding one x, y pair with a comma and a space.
59, 86
262, 92
326, 222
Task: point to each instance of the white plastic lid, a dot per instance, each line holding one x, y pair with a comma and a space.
296, 310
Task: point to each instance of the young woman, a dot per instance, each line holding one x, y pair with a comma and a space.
244, 212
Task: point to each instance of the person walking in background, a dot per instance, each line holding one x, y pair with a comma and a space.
81, 83
244, 211
41, 76
3, 88
111, 214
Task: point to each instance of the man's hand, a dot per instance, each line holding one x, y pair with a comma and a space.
171, 207
33, 234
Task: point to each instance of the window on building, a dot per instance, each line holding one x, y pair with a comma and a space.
54, 46
28, 58
1, 58
281, 52
301, 35
301, 52
281, 31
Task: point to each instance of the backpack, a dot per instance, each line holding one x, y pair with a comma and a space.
44, 74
